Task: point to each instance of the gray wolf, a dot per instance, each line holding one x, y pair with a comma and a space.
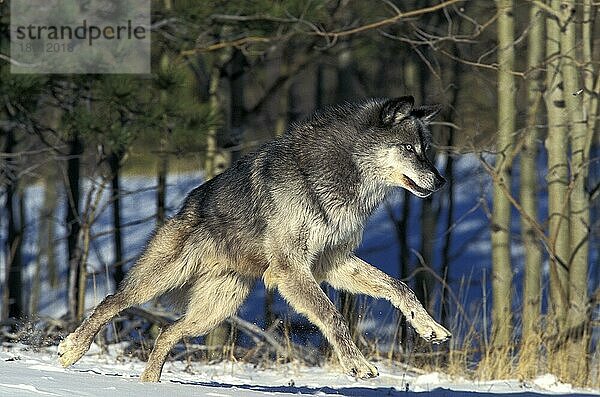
291, 213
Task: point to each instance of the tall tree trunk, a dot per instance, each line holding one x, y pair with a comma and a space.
445, 266
73, 223
579, 203
163, 158
45, 242
211, 134
161, 182
404, 266
236, 115
450, 116
501, 215
590, 97
401, 227
319, 86
532, 293
114, 161
558, 172
423, 278
14, 239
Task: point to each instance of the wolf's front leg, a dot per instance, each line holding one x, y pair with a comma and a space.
357, 276
301, 290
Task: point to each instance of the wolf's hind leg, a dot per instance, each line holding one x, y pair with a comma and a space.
300, 289
212, 300
358, 277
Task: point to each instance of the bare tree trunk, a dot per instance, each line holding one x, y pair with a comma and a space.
211, 134
88, 216
590, 97
450, 116
501, 217
528, 197
14, 262
445, 267
558, 173
163, 158
236, 89
404, 266
73, 222
532, 292
161, 185
45, 242
401, 227
579, 203
114, 161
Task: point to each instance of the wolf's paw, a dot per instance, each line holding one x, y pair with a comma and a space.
434, 333
361, 368
70, 350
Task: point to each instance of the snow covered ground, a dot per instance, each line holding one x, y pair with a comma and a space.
27, 373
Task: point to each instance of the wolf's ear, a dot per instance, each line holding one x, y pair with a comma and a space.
427, 112
394, 110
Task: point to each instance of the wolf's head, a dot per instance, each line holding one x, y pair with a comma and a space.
398, 141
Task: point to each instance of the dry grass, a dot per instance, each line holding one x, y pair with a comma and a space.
530, 360
575, 360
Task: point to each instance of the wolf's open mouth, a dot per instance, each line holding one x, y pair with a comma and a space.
413, 186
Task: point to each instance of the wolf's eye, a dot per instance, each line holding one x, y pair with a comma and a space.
408, 147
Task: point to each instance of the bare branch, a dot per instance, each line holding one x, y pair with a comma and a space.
388, 21
332, 37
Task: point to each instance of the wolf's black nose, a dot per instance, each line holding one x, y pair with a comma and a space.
439, 183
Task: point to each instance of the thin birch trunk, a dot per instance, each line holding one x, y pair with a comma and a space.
558, 172
532, 292
579, 201
528, 186
73, 222
501, 215
446, 270
211, 134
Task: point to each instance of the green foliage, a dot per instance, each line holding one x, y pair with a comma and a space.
124, 108
176, 108
21, 89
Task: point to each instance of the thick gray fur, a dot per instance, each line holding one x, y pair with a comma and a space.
291, 213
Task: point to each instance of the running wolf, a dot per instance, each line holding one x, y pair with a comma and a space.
291, 213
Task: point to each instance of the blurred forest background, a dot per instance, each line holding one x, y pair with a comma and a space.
519, 82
